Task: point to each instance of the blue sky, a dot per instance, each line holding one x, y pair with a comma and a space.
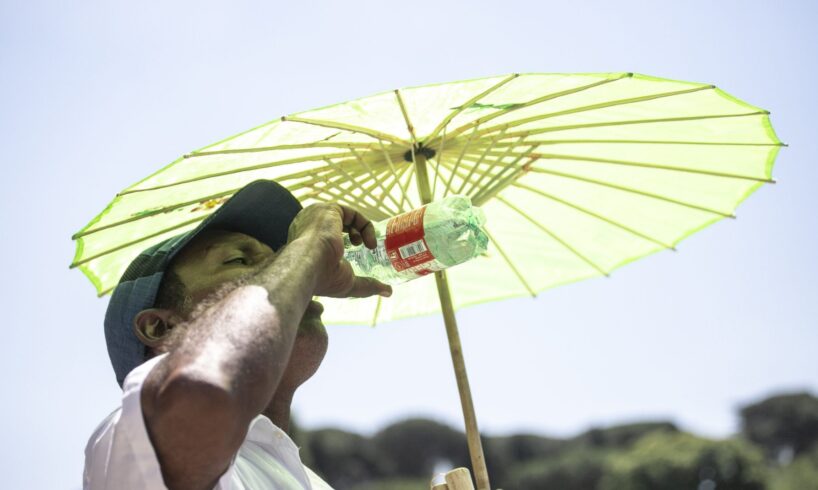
96, 95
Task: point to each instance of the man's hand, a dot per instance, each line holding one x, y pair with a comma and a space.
324, 224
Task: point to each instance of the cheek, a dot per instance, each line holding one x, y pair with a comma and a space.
215, 282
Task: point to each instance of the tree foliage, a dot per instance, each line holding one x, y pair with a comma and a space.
780, 424
621, 436
394, 484
683, 462
503, 453
801, 474
577, 463
579, 469
639, 456
342, 458
413, 447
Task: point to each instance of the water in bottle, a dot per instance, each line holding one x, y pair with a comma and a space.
434, 237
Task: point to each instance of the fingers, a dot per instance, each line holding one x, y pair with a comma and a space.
355, 237
341, 282
368, 235
354, 220
363, 287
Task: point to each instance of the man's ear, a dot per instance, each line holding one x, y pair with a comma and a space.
153, 325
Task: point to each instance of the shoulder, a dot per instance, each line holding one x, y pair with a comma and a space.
119, 450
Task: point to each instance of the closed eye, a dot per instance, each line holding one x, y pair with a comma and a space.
236, 260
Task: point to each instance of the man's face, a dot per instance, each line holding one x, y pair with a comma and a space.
217, 258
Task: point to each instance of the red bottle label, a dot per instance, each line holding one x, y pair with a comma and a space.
406, 243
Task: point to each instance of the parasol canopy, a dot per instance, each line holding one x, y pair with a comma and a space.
578, 174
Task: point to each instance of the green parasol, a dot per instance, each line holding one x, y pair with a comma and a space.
577, 174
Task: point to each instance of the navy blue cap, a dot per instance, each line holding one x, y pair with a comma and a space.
262, 209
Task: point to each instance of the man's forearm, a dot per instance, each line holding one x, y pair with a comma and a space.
199, 401
242, 343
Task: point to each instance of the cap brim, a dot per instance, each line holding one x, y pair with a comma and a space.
262, 209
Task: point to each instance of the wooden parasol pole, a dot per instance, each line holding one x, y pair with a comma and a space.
478, 461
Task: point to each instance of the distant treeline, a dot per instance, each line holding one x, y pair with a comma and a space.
776, 449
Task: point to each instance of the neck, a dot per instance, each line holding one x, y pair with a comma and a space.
279, 411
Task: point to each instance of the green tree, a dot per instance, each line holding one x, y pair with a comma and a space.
413, 447
579, 469
504, 453
394, 484
784, 425
578, 463
678, 461
524, 447
801, 474
621, 436
342, 458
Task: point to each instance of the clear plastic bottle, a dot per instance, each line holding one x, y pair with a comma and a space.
434, 237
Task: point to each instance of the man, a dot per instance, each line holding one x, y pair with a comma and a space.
224, 318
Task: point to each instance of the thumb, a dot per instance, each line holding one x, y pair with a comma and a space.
363, 287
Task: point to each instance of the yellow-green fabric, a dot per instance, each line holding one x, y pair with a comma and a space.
578, 174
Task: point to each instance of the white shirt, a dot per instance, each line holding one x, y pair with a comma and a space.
120, 456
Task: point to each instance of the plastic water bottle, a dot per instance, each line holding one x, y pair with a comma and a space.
434, 237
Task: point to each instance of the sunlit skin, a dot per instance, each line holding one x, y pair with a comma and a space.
217, 258
245, 336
